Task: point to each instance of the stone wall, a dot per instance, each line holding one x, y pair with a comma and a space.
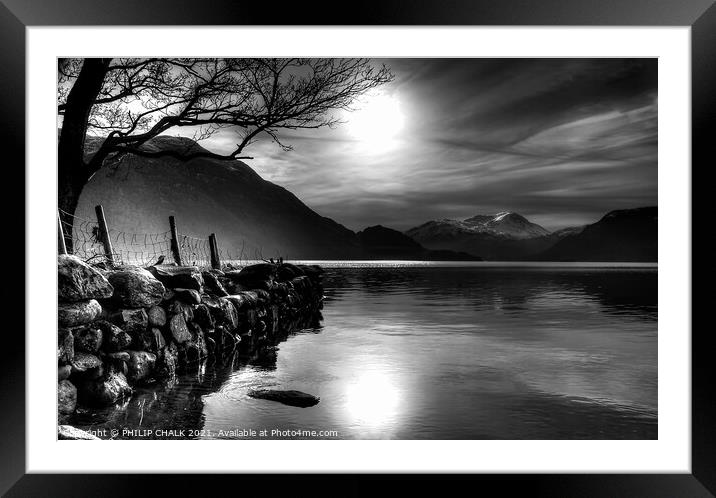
128, 325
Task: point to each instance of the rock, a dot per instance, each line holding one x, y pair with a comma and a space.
203, 317
115, 339
261, 271
151, 340
104, 391
222, 311
135, 287
244, 299
166, 364
189, 296
119, 356
301, 284
88, 339
65, 346
263, 296
66, 397
131, 321
183, 277
157, 316
69, 432
195, 349
140, 365
63, 372
78, 281
292, 398
78, 313
181, 308
84, 362
178, 328
212, 284
287, 271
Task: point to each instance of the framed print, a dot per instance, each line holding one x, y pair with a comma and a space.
440, 239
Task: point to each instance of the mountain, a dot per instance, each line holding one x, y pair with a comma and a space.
624, 235
380, 242
502, 236
250, 216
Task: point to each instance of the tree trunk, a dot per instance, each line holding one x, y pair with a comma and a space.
72, 170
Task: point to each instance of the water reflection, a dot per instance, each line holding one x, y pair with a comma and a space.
448, 353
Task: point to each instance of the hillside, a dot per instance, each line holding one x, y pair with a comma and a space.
623, 235
209, 195
380, 242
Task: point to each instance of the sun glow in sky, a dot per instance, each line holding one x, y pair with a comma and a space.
376, 122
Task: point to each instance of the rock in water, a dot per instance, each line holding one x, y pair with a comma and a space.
69, 432
78, 313
105, 391
182, 277
135, 287
66, 397
78, 281
140, 365
292, 398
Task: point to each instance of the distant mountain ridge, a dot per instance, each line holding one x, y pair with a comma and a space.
622, 235
381, 242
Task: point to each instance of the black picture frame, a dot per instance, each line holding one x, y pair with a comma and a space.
700, 15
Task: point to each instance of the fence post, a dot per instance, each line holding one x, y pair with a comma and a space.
175, 241
61, 246
214, 249
104, 233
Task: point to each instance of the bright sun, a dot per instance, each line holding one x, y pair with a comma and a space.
376, 122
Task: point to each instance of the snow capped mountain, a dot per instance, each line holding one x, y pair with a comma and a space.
506, 224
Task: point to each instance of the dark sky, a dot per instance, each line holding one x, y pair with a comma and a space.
561, 141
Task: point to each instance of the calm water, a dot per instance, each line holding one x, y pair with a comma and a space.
403, 351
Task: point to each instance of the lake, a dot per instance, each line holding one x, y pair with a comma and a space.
436, 351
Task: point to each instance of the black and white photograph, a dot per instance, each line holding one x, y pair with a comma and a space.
357, 248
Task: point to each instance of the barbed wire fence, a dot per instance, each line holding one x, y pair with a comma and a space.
95, 243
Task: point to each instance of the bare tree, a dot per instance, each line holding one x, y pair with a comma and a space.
129, 101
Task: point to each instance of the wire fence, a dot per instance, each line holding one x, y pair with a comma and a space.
83, 238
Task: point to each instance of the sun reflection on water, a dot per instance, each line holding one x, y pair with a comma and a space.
373, 399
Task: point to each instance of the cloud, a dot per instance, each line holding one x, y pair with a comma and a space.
561, 141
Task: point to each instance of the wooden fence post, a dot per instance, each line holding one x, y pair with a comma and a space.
214, 249
104, 233
175, 241
61, 246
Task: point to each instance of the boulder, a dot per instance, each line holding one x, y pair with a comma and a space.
88, 339
288, 271
182, 277
195, 349
84, 362
69, 432
140, 365
135, 287
115, 339
189, 296
78, 313
134, 321
63, 372
151, 340
243, 300
78, 281
178, 328
104, 391
292, 398
157, 316
261, 271
66, 397
65, 346
212, 285
166, 364
203, 317
181, 308
222, 311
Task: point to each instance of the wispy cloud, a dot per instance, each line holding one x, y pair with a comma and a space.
561, 141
